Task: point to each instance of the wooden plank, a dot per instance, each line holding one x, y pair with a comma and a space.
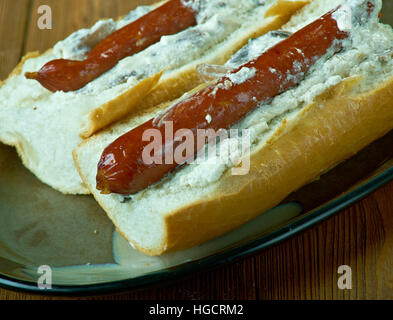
306, 266
71, 15
384, 263
13, 17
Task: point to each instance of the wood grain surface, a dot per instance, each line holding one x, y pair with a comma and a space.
303, 267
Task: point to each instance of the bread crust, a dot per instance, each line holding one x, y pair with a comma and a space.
337, 125
118, 108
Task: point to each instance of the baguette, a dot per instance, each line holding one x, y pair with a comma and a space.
343, 104
45, 127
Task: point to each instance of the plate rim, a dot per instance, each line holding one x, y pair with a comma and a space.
213, 261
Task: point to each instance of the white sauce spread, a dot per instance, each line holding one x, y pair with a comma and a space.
242, 75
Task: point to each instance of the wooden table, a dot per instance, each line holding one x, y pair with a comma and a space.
304, 267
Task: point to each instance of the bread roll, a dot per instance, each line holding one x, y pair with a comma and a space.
344, 104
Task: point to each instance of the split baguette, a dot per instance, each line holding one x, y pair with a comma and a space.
45, 127
344, 104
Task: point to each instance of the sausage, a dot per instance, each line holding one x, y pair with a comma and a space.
70, 75
121, 168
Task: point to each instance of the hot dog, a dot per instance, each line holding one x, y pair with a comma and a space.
341, 104
121, 168
163, 71
70, 75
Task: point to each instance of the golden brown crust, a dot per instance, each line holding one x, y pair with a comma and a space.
119, 107
333, 128
285, 8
